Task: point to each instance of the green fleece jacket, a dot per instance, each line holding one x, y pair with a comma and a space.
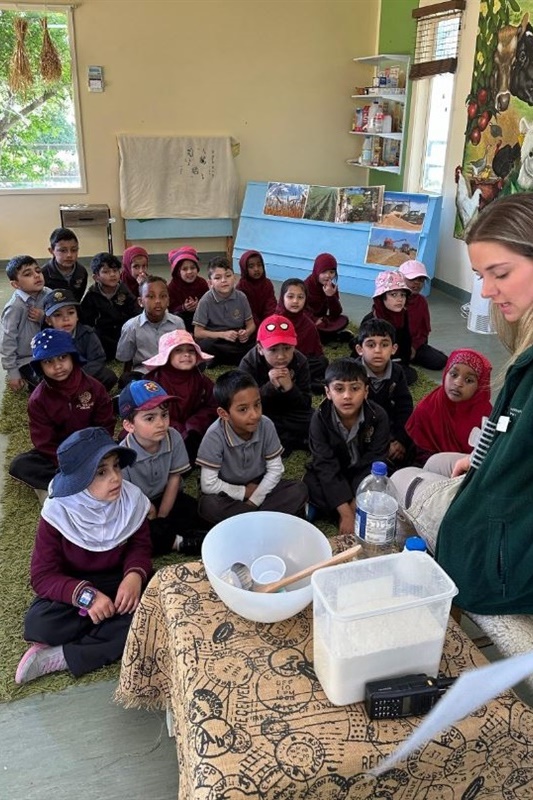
485, 540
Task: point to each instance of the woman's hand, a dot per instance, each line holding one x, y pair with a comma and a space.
101, 608
461, 466
128, 593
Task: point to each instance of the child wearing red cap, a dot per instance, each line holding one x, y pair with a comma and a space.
415, 275
186, 286
176, 369
256, 286
134, 268
323, 302
282, 374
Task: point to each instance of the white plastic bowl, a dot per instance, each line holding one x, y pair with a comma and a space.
246, 537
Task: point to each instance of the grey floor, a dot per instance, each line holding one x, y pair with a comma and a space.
78, 741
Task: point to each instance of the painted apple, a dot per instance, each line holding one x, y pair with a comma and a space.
482, 96
483, 120
475, 136
472, 110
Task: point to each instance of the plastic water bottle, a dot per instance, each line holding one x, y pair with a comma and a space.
366, 153
376, 509
415, 544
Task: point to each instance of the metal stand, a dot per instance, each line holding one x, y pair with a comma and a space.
81, 216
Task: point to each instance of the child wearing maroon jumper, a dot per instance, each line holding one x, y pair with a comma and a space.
176, 369
65, 401
186, 286
256, 286
292, 304
90, 560
422, 353
134, 268
323, 303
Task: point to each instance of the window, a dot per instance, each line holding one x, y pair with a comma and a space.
40, 145
437, 127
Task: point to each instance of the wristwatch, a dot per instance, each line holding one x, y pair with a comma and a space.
85, 600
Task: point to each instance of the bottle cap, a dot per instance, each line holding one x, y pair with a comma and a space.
415, 543
379, 468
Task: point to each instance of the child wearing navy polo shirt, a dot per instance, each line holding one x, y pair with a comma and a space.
240, 457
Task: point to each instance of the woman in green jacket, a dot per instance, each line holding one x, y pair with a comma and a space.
485, 538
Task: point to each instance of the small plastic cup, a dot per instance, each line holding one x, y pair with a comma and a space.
267, 569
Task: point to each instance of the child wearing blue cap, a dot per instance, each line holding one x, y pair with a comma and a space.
161, 461
90, 560
65, 401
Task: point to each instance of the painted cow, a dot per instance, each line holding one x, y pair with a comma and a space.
522, 70
504, 60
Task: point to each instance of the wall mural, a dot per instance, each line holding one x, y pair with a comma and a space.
498, 154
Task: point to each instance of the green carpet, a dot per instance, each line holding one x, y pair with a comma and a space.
20, 517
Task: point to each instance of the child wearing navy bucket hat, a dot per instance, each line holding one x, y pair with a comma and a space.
65, 401
90, 560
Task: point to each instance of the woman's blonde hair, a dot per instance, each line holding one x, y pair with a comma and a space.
508, 222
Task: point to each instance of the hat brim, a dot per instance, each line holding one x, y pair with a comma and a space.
36, 363
272, 341
57, 306
161, 359
63, 485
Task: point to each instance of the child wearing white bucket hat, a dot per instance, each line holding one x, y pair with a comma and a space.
176, 368
415, 276
390, 299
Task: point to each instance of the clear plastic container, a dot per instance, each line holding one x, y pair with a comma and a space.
378, 618
376, 510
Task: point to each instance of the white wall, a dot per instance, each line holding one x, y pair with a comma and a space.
275, 75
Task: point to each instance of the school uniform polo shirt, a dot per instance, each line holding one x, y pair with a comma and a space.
216, 313
139, 338
238, 461
151, 471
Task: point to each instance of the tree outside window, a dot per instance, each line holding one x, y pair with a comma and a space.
39, 141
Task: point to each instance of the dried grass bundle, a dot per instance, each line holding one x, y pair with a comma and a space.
20, 75
50, 62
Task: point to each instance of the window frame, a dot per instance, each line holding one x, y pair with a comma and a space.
68, 10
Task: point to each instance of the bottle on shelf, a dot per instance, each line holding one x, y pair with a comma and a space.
366, 152
375, 118
376, 504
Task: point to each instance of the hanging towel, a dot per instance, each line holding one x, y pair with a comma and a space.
177, 176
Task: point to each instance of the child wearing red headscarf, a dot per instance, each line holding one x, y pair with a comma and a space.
443, 420
186, 286
323, 302
256, 286
134, 268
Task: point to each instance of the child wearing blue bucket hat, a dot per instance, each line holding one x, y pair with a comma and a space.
65, 401
90, 560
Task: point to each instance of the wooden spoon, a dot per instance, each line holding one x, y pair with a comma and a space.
346, 555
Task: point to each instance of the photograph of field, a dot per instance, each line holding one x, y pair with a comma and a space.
406, 212
391, 247
286, 200
321, 203
359, 204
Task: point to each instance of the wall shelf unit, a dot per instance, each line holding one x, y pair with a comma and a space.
383, 85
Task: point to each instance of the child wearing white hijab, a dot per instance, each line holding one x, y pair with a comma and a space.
90, 560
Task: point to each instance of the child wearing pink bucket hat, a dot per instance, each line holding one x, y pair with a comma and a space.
415, 276
176, 368
390, 299
186, 286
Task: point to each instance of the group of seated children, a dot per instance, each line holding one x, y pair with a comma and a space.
100, 525
397, 298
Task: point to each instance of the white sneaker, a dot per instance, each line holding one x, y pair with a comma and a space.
40, 659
